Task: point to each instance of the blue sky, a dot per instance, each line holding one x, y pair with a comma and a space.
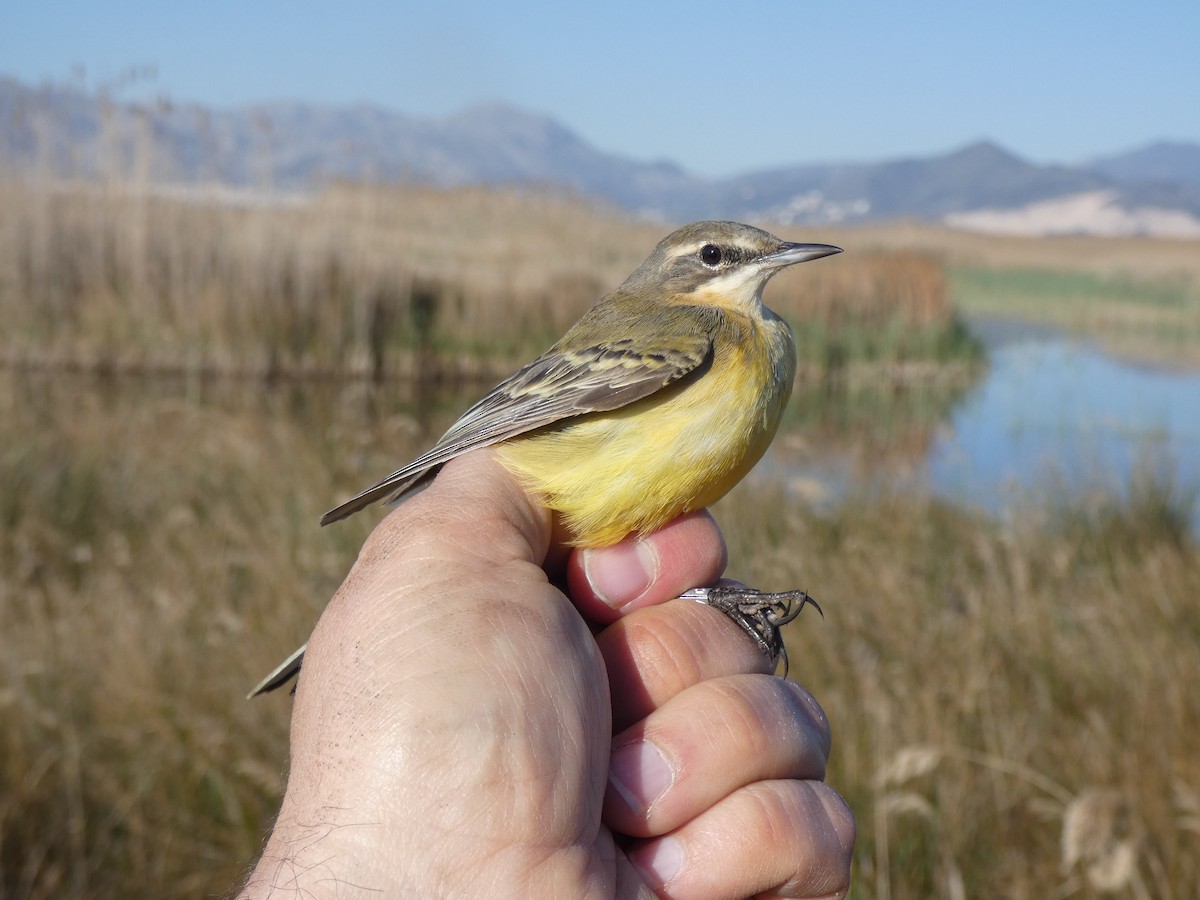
718, 87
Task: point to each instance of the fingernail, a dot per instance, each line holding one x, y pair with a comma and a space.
620, 574
640, 774
659, 861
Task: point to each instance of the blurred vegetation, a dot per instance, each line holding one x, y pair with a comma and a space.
1013, 701
1139, 297
986, 680
1156, 319
379, 282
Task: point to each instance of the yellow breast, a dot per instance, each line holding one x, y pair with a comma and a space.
636, 468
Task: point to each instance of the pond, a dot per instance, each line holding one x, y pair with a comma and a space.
1055, 413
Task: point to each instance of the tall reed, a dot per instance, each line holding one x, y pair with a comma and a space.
364, 281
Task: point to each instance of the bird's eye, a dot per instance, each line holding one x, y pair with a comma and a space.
710, 255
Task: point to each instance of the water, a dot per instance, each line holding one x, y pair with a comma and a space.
1050, 414
1057, 411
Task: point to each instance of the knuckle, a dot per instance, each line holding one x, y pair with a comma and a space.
810, 824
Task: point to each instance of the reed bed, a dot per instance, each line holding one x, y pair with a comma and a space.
372, 281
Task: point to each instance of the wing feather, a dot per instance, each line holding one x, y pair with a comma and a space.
560, 384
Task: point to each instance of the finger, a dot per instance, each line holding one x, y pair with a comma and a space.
775, 838
660, 651
608, 582
708, 742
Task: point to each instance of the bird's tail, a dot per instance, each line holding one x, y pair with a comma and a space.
282, 674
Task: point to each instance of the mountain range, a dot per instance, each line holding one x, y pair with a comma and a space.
63, 131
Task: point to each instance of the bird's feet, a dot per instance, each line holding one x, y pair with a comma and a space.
758, 613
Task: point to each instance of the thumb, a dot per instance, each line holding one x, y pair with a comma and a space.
608, 582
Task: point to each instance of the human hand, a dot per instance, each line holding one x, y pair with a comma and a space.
459, 730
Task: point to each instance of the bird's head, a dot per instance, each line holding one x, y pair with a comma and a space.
724, 263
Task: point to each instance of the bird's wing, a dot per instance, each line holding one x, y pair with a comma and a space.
558, 385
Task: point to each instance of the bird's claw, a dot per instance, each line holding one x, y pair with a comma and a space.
758, 613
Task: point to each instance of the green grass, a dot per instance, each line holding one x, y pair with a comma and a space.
829, 350
995, 289
1152, 318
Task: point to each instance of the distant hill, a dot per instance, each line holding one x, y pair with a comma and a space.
63, 132
1163, 162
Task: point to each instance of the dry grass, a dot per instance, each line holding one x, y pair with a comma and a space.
159, 552
374, 281
1149, 259
987, 683
115, 280
137, 571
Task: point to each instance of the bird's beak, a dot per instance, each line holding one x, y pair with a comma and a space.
789, 254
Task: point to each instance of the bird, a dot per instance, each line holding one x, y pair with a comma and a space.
655, 403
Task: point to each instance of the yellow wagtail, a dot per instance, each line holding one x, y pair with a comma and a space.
656, 402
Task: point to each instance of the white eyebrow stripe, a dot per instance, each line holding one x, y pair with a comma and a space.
748, 253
